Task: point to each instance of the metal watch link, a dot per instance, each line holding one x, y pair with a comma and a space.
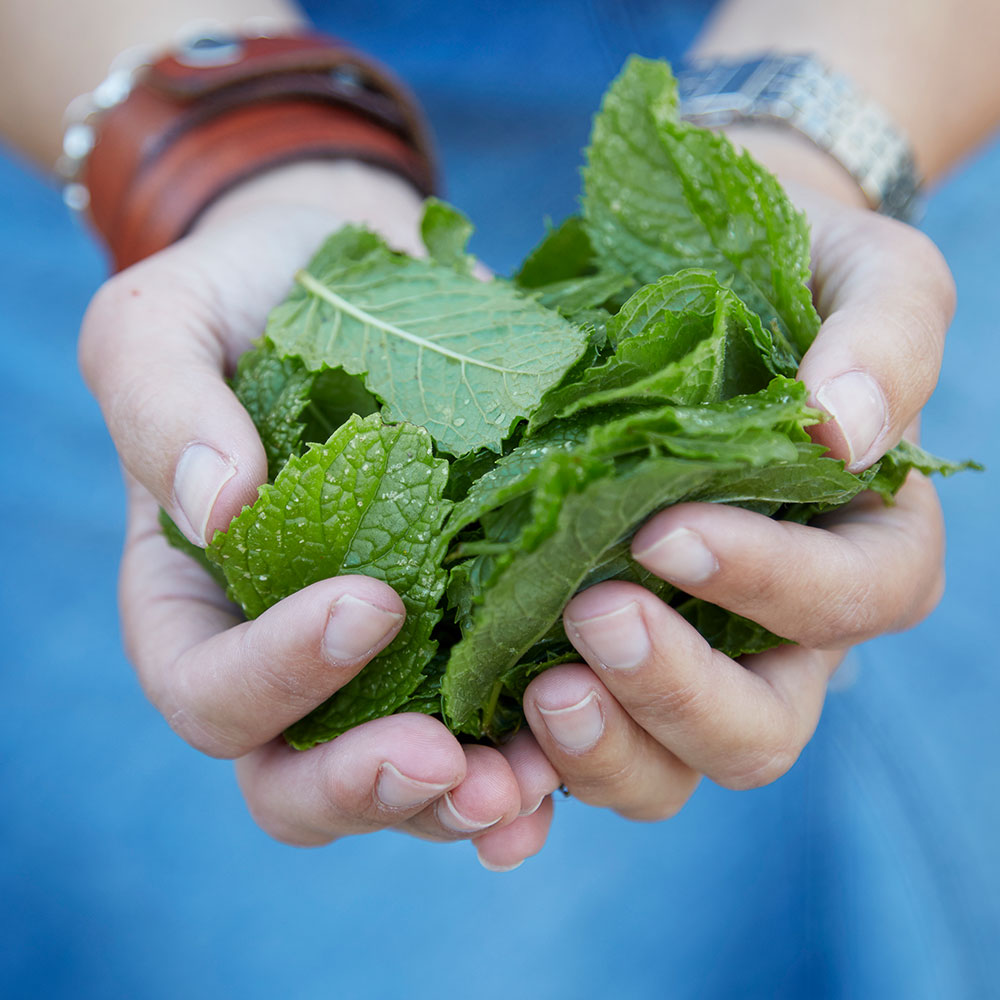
799, 92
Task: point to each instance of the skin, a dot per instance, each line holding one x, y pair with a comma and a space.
229, 687
159, 339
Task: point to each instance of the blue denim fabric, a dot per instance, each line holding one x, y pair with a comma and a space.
128, 867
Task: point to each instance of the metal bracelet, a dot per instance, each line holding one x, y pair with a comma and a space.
799, 92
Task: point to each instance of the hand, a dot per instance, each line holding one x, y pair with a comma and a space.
156, 344
655, 707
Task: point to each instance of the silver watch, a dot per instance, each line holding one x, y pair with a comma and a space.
797, 91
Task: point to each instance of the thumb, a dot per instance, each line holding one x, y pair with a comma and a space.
887, 298
154, 354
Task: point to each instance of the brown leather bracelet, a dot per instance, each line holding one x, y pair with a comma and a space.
187, 133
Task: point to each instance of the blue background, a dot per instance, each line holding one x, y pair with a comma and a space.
128, 865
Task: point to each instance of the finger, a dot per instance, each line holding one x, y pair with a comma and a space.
487, 798
873, 569
155, 344
536, 777
742, 725
376, 775
505, 849
887, 297
151, 353
227, 687
603, 755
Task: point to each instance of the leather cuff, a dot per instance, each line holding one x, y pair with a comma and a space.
188, 131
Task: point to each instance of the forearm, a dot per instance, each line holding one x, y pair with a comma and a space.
931, 64
53, 50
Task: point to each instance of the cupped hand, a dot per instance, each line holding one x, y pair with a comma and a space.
157, 343
655, 706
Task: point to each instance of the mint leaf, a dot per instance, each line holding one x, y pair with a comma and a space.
695, 291
464, 358
528, 596
563, 273
586, 502
661, 195
274, 390
570, 405
291, 405
683, 339
564, 253
368, 501
896, 465
335, 397
445, 232
575, 297
515, 474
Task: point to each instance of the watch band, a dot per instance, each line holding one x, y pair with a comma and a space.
797, 91
221, 109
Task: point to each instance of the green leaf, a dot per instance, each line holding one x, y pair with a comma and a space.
335, 396
464, 358
661, 195
564, 253
528, 596
274, 390
574, 297
683, 339
718, 428
515, 474
368, 501
681, 392
896, 465
445, 232
699, 292
290, 405
427, 698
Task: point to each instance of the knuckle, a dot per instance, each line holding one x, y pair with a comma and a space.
934, 271
195, 716
684, 702
926, 601
280, 685
773, 579
662, 804
197, 730
851, 613
756, 767
606, 785
285, 833
278, 826
98, 322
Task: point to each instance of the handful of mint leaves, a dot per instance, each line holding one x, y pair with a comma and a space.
488, 448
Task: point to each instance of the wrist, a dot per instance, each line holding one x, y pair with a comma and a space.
335, 193
206, 119
796, 161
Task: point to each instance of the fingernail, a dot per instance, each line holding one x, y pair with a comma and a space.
617, 640
680, 556
855, 401
395, 790
490, 867
198, 480
578, 727
535, 807
355, 628
450, 818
